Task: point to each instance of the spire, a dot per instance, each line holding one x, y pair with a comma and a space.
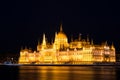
55, 40
61, 28
38, 42
106, 44
92, 42
71, 38
38, 46
44, 41
79, 38
112, 46
52, 41
55, 34
87, 38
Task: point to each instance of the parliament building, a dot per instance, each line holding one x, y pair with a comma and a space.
80, 51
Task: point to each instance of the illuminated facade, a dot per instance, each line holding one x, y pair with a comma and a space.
78, 51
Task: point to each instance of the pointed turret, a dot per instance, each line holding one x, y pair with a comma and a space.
112, 46
26, 49
38, 46
92, 42
71, 38
55, 37
55, 41
44, 42
52, 41
38, 42
87, 38
61, 28
106, 44
79, 38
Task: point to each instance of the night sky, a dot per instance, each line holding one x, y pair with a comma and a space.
23, 22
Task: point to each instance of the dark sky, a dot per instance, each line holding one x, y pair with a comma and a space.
22, 22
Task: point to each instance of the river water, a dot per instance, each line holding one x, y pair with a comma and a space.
59, 72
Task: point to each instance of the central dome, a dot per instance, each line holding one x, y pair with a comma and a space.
61, 35
61, 40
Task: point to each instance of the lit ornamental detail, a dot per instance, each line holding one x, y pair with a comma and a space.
59, 51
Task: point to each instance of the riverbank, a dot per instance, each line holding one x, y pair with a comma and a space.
94, 64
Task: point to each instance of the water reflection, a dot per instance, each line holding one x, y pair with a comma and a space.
67, 73
104, 72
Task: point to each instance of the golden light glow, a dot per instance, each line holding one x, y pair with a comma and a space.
80, 51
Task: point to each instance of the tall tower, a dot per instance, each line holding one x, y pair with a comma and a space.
79, 38
113, 53
38, 46
112, 47
87, 38
60, 39
55, 42
61, 30
92, 42
43, 42
71, 38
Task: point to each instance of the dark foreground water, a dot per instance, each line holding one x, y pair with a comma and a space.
59, 72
